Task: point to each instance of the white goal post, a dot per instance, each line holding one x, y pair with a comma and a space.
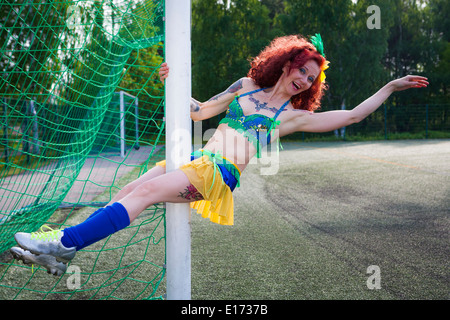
178, 143
122, 110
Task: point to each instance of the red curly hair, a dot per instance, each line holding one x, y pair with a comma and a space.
267, 68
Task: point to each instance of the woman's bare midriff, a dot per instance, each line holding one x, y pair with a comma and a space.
232, 145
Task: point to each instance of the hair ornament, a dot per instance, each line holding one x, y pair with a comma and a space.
317, 42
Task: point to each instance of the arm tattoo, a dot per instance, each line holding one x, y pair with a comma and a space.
235, 87
195, 105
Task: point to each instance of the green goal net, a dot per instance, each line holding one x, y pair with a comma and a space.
81, 115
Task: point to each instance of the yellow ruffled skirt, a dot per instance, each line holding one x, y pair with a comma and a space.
205, 176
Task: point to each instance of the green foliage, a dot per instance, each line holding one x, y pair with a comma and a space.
224, 38
413, 39
61, 66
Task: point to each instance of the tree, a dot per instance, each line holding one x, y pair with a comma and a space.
225, 35
437, 64
355, 52
29, 42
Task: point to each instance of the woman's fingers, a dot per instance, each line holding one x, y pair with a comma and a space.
163, 71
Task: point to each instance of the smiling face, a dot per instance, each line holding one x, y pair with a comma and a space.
300, 79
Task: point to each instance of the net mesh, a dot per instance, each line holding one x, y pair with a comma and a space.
81, 114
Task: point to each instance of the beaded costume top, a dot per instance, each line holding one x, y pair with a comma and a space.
257, 128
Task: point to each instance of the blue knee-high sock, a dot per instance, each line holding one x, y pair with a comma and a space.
95, 212
74, 235
102, 223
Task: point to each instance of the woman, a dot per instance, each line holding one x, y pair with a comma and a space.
283, 89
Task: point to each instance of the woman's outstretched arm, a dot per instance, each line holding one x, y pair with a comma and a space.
331, 120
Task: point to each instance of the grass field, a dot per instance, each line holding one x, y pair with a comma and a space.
333, 209
308, 225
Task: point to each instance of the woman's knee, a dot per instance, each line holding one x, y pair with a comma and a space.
153, 173
146, 188
166, 188
128, 189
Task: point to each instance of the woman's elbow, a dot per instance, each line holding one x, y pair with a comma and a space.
196, 110
199, 115
354, 117
195, 116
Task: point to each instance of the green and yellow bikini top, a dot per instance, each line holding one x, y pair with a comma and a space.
257, 128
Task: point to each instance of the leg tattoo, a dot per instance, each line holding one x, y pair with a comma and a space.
191, 193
